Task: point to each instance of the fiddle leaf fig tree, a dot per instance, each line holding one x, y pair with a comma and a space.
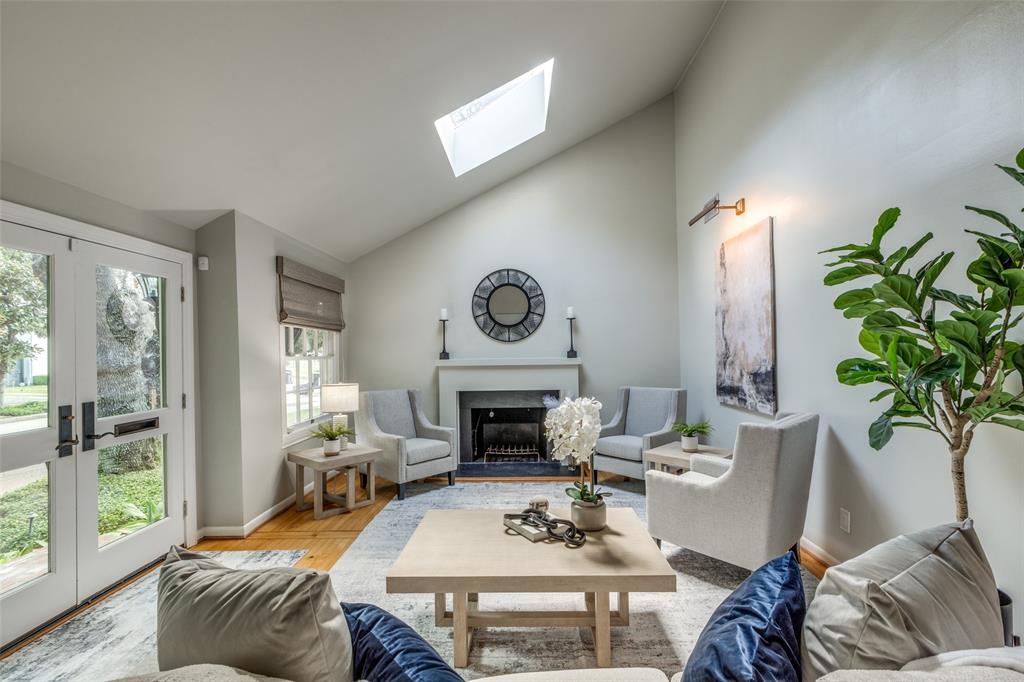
947, 360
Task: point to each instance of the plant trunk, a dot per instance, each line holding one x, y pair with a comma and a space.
959, 485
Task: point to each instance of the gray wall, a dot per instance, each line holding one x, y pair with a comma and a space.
823, 115
29, 188
593, 225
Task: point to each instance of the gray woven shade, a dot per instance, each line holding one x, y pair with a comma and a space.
308, 297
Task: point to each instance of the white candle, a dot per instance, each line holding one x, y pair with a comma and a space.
569, 312
444, 313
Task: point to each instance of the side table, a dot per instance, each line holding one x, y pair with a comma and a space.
671, 457
348, 460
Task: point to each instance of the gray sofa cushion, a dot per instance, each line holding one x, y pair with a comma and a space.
647, 410
421, 450
914, 596
623, 447
279, 622
393, 413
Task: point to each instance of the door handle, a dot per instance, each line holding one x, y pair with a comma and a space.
66, 438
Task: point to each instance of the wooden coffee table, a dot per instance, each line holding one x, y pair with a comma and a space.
467, 552
672, 457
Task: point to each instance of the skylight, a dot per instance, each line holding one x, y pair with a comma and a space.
502, 119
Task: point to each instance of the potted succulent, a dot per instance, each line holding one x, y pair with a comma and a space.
573, 429
688, 434
335, 437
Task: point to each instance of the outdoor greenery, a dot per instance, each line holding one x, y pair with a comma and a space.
24, 409
946, 358
122, 497
23, 306
328, 431
698, 429
40, 380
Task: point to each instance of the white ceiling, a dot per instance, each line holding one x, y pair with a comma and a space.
315, 118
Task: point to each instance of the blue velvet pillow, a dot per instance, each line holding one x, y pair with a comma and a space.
755, 633
385, 649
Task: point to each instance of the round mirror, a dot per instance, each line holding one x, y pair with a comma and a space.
508, 305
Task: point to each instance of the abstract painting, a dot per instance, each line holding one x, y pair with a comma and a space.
745, 321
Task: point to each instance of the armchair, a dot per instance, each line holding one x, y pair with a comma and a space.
746, 511
412, 448
643, 420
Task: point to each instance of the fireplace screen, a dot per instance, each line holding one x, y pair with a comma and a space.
508, 434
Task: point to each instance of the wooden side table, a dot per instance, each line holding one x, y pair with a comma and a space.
348, 460
672, 457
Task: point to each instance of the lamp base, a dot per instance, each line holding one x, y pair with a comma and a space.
571, 354
444, 355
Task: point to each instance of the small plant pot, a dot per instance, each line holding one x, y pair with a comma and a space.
589, 516
332, 447
689, 443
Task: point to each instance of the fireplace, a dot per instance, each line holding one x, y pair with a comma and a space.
501, 433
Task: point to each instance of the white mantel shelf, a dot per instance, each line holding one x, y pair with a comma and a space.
510, 362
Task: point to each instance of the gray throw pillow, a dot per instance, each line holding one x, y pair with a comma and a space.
914, 596
279, 622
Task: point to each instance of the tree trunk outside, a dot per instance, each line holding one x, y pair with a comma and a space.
959, 485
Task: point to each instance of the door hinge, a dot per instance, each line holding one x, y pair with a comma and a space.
184, 508
184, 401
71, 244
183, 294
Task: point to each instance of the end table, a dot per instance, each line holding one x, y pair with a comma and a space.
348, 460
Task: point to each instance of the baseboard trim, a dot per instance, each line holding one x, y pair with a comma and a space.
248, 529
818, 553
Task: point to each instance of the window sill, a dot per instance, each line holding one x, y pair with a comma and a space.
300, 433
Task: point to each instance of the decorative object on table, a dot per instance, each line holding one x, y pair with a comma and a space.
334, 437
570, 315
508, 305
745, 365
713, 205
539, 503
537, 525
573, 429
688, 434
944, 372
338, 400
443, 319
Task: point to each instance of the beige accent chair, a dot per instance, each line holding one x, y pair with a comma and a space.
643, 420
746, 511
412, 448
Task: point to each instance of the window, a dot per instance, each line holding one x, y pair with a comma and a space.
309, 360
502, 119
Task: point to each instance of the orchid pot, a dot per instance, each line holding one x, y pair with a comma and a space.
589, 516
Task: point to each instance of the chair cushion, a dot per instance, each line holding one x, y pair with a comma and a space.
623, 447
648, 410
385, 649
420, 450
755, 633
279, 622
393, 413
914, 596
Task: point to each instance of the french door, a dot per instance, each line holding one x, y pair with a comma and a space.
91, 420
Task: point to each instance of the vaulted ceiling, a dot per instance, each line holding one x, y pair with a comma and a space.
315, 118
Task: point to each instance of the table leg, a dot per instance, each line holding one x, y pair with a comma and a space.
318, 495
624, 607
300, 488
371, 480
439, 608
588, 599
602, 630
461, 629
350, 488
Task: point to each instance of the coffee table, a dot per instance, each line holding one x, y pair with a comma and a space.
672, 456
466, 552
348, 460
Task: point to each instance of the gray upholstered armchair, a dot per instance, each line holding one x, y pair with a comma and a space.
412, 447
643, 420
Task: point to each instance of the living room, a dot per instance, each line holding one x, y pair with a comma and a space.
513, 264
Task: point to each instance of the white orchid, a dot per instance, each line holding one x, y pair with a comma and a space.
573, 429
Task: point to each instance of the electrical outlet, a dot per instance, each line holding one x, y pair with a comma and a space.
844, 520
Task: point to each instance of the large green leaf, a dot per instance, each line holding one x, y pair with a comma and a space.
848, 273
903, 254
959, 300
886, 221
1017, 359
852, 297
930, 272
863, 309
880, 432
1014, 277
985, 272
871, 342
959, 333
933, 371
981, 318
899, 291
1020, 159
1012, 423
1006, 254
994, 215
855, 371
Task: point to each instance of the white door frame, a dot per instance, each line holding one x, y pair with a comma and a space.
41, 220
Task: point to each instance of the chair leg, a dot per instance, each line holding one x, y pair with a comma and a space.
401, 491
657, 541
451, 478
795, 549
363, 480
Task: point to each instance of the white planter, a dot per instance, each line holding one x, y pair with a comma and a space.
332, 447
589, 516
689, 443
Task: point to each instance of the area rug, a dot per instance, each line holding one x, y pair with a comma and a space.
663, 626
116, 637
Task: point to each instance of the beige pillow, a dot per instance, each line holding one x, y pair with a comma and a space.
279, 622
914, 596
202, 672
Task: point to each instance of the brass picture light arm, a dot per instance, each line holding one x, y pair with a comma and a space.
740, 206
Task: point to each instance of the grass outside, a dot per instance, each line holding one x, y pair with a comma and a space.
116, 492
27, 390
24, 409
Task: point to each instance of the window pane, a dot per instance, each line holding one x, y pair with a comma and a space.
315, 389
24, 324
131, 487
304, 390
24, 525
297, 341
311, 342
129, 341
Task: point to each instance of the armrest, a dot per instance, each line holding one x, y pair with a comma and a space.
709, 465
617, 426
424, 428
659, 438
392, 446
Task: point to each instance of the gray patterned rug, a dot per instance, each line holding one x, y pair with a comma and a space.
663, 627
116, 637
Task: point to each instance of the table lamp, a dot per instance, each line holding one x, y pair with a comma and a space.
339, 399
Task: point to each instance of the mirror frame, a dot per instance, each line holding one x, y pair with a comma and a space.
482, 298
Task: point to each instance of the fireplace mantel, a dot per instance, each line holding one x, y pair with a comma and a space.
509, 362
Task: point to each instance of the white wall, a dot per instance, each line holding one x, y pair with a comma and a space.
593, 225
823, 115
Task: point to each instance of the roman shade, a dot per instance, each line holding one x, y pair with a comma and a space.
308, 297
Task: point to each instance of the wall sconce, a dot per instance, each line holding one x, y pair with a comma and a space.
711, 208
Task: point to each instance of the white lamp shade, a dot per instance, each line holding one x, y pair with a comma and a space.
339, 398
